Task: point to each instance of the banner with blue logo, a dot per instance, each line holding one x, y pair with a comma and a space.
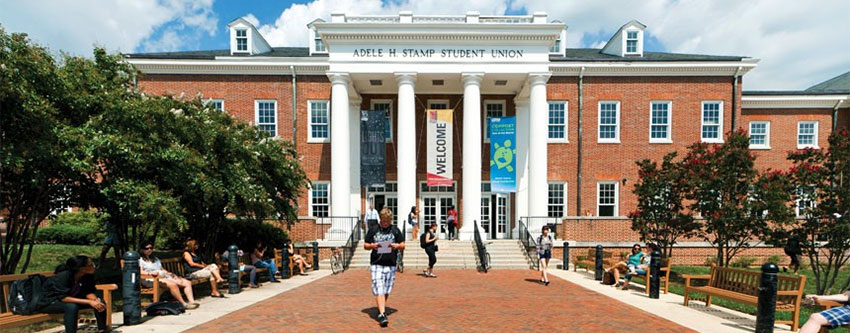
502, 154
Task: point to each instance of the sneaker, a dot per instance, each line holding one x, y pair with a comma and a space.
192, 306
382, 319
275, 281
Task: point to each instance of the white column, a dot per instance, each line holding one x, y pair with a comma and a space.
471, 208
538, 118
522, 133
406, 140
354, 135
340, 153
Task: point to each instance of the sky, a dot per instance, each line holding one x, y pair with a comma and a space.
799, 43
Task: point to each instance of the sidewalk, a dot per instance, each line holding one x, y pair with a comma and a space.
695, 316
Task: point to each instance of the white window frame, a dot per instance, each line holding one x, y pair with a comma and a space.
247, 40
669, 124
638, 47
815, 134
599, 125
310, 138
564, 198
257, 114
310, 197
566, 138
702, 123
434, 101
208, 102
389, 114
766, 144
316, 37
616, 196
486, 119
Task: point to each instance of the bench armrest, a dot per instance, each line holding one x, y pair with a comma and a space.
689, 277
106, 287
829, 304
788, 293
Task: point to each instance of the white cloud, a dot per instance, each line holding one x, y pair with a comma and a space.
119, 25
252, 19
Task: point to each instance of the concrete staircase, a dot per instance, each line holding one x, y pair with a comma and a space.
504, 254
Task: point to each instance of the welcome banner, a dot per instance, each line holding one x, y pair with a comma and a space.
503, 154
439, 129
373, 147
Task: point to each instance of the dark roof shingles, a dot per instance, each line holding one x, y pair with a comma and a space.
282, 52
597, 55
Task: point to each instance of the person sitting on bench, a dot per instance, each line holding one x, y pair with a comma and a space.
72, 289
258, 261
151, 265
629, 266
298, 259
196, 268
642, 267
833, 318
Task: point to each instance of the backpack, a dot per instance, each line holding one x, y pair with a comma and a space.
25, 294
422, 242
163, 308
608, 278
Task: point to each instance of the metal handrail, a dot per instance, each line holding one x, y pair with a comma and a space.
481, 249
350, 246
529, 246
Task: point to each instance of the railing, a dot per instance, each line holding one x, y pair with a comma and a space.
372, 19
505, 19
529, 246
351, 245
335, 228
535, 225
400, 262
438, 19
483, 256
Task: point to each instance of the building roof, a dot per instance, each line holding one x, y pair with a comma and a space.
281, 52
839, 84
597, 55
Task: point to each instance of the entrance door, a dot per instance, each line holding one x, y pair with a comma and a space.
494, 215
435, 209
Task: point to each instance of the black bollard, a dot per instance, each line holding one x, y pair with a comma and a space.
130, 289
599, 270
315, 256
766, 315
233, 264
566, 256
655, 274
284, 261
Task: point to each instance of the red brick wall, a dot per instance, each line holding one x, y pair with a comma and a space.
783, 132
844, 118
688, 255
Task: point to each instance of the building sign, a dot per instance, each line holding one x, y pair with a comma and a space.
440, 129
432, 53
503, 154
373, 148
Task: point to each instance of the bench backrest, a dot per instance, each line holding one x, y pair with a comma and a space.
173, 265
591, 254
6, 283
747, 281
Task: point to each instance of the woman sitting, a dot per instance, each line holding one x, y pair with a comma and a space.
151, 265
298, 259
642, 267
258, 261
832, 318
71, 290
196, 268
250, 269
629, 266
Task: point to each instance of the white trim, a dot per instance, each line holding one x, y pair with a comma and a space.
236, 37
616, 138
652, 68
793, 101
638, 45
815, 134
566, 138
209, 101
310, 196
616, 196
669, 138
257, 114
566, 186
766, 144
720, 111
504, 112
389, 113
310, 138
428, 103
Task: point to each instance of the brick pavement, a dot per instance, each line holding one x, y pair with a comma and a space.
460, 300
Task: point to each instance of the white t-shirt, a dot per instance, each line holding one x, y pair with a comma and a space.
371, 214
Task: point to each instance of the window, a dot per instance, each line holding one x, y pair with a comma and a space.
712, 122
319, 118
320, 199
807, 134
609, 122
631, 42
558, 121
805, 200
557, 200
317, 40
217, 104
438, 104
492, 109
267, 116
242, 40
556, 47
385, 105
659, 122
759, 135
607, 199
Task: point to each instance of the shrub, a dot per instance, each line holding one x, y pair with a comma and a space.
91, 219
246, 233
774, 259
744, 262
67, 234
710, 260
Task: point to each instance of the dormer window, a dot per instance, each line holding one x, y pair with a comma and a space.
317, 40
242, 40
556, 48
631, 42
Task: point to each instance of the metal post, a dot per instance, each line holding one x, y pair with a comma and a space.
766, 315
566, 256
655, 274
599, 270
130, 290
284, 262
233, 263
315, 256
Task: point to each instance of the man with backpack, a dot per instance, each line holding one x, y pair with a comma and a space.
385, 242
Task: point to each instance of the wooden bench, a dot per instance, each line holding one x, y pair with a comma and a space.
172, 265
741, 286
664, 277
306, 253
9, 319
589, 261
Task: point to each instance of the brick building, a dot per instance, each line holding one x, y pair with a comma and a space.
584, 116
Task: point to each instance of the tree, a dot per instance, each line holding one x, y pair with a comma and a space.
661, 216
822, 195
738, 205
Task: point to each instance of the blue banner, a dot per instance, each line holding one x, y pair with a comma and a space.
502, 154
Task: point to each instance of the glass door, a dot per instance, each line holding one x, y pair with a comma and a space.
435, 208
502, 216
485, 215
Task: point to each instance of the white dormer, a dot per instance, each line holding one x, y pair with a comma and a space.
628, 41
559, 47
245, 39
317, 45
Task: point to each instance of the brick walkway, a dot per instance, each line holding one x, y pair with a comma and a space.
461, 300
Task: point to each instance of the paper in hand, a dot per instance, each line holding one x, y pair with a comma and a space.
384, 247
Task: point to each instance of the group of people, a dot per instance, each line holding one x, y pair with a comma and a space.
636, 264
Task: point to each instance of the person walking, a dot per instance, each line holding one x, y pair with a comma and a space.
384, 242
371, 215
451, 220
413, 219
431, 249
544, 251
793, 250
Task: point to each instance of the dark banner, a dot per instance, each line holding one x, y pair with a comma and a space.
373, 147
